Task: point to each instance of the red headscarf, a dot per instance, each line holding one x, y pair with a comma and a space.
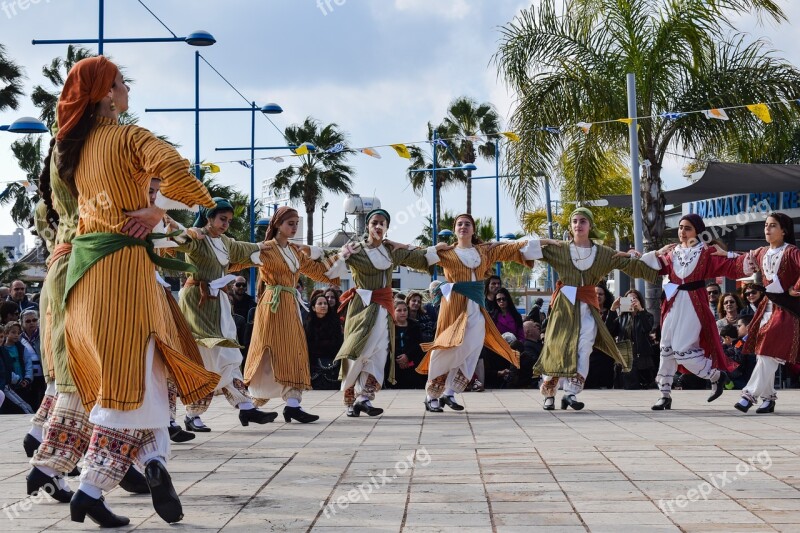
282, 214
88, 82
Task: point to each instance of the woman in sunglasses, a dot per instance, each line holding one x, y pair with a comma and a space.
728, 310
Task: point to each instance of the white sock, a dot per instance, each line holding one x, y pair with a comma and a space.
198, 422
158, 458
172, 423
244, 406
49, 471
363, 398
428, 397
62, 483
449, 392
36, 432
90, 490
292, 402
743, 402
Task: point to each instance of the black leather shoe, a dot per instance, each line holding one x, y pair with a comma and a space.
768, 406
743, 408
568, 400
38, 480
177, 434
720, 387
82, 505
295, 413
31, 444
549, 403
663, 404
364, 407
165, 499
134, 482
254, 415
433, 408
191, 426
450, 402
351, 412
75, 472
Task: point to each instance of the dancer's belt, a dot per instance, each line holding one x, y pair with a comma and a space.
785, 301
90, 248
205, 288
382, 297
58, 252
472, 290
584, 293
275, 301
672, 288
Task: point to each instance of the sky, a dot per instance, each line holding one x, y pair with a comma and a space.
380, 69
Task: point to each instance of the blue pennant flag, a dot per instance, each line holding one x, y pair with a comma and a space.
551, 129
672, 115
335, 149
440, 142
245, 164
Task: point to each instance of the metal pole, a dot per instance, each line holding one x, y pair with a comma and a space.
636, 184
549, 209
197, 114
497, 193
433, 218
100, 34
252, 191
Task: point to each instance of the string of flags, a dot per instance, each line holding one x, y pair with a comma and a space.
759, 110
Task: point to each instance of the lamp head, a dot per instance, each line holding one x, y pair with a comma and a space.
26, 125
272, 109
200, 38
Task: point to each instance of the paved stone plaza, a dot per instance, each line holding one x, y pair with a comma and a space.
503, 465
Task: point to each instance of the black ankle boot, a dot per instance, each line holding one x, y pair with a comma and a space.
364, 407
82, 505
38, 480
295, 413
134, 482
31, 444
165, 499
450, 402
768, 406
254, 415
433, 408
549, 403
743, 408
663, 404
177, 434
720, 387
191, 426
569, 400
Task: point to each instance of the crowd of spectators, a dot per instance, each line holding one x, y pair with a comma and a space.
22, 384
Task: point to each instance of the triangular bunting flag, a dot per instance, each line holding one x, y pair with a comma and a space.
718, 114
551, 129
212, 168
511, 136
761, 111
672, 115
585, 126
627, 121
245, 164
335, 149
475, 138
302, 149
277, 159
402, 150
371, 152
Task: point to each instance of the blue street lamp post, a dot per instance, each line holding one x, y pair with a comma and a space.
25, 125
196, 38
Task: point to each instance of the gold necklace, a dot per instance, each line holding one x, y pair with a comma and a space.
292, 260
579, 258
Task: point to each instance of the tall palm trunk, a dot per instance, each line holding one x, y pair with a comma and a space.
469, 192
310, 227
653, 226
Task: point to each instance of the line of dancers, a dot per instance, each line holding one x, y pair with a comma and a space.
119, 350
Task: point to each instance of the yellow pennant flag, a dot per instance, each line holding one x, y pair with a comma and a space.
402, 150
585, 126
302, 149
511, 136
371, 152
761, 111
627, 121
212, 168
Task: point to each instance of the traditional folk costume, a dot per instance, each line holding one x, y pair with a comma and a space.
277, 360
369, 326
689, 335
575, 313
205, 304
120, 341
464, 325
774, 333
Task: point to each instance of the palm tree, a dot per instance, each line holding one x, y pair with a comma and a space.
420, 160
317, 172
465, 119
56, 72
11, 77
569, 65
28, 152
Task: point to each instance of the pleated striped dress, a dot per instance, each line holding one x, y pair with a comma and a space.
277, 360
116, 313
48, 236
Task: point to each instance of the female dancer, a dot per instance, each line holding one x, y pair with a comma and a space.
120, 340
464, 325
277, 360
689, 335
209, 314
774, 334
369, 327
574, 309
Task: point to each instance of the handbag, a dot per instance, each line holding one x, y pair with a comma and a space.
625, 348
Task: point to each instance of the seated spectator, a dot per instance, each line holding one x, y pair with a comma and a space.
506, 317
324, 337
509, 376
9, 312
407, 352
18, 372
427, 323
753, 294
728, 309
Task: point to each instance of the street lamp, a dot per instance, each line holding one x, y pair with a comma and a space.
323, 209
445, 234
196, 38
25, 125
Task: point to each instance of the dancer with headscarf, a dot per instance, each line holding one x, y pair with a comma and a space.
121, 349
369, 326
689, 336
277, 360
464, 326
774, 334
574, 308
205, 304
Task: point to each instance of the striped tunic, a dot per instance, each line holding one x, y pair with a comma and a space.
117, 306
452, 322
279, 336
559, 357
205, 321
45, 233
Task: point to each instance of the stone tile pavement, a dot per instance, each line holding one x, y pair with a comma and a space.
503, 465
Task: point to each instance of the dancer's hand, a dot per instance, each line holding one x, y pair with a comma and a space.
196, 234
442, 246
550, 242
794, 292
719, 251
264, 246
397, 245
402, 361
630, 253
666, 249
142, 221
170, 224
